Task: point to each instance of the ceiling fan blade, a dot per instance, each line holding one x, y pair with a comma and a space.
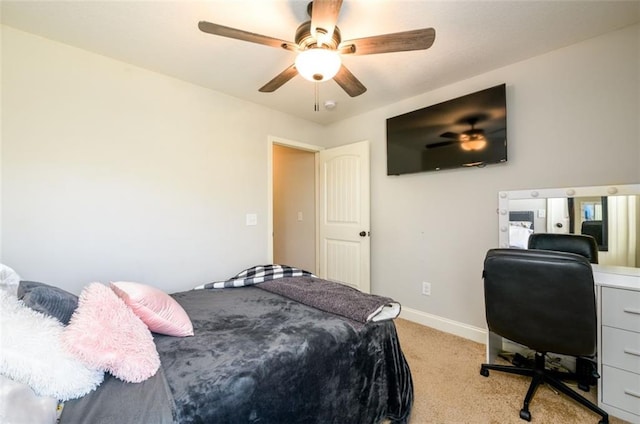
450, 135
417, 39
239, 34
279, 80
349, 82
440, 144
324, 16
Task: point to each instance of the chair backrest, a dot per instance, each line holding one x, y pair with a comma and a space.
593, 229
542, 299
579, 244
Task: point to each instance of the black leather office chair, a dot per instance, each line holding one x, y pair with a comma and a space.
544, 300
574, 243
587, 246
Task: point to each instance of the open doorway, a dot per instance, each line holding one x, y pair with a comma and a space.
341, 241
293, 197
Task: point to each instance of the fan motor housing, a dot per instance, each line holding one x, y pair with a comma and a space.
305, 40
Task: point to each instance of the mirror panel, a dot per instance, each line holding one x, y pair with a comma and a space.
609, 213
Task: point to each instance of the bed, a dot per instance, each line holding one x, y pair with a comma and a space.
260, 356
521, 226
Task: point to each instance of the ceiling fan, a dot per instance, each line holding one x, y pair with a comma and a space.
319, 46
471, 139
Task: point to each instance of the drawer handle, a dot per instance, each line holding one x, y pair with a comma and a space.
632, 352
632, 393
632, 311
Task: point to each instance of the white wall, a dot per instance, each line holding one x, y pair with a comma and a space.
294, 207
572, 121
112, 172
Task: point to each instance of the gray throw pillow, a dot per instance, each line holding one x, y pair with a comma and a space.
50, 300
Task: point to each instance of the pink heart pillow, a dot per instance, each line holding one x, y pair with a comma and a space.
105, 334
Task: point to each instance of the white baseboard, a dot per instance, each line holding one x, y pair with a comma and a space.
466, 331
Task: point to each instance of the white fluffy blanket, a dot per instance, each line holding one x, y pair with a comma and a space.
31, 352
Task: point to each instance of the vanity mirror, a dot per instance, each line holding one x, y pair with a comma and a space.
611, 214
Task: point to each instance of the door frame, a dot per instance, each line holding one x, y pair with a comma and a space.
271, 141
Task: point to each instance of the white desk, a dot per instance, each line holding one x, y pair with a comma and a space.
618, 294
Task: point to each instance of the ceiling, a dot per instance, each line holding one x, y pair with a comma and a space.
472, 37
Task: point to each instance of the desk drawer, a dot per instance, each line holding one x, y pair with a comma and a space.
621, 389
621, 349
621, 308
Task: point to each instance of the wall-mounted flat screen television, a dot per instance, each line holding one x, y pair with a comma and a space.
467, 131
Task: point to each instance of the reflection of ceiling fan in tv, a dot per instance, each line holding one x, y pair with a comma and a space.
319, 47
471, 139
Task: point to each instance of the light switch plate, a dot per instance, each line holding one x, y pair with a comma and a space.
252, 219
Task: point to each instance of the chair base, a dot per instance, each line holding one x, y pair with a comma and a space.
540, 375
586, 374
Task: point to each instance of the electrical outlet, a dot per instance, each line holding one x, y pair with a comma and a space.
426, 288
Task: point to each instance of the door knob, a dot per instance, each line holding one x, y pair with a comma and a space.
363, 233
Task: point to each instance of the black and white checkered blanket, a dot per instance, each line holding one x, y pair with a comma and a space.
257, 274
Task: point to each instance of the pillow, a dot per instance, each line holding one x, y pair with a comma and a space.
157, 309
525, 224
19, 404
105, 334
49, 300
519, 237
31, 352
9, 279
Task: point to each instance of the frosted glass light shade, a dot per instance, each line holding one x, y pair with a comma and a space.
473, 145
474, 141
318, 64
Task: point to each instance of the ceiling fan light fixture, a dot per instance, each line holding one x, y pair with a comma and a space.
472, 142
318, 64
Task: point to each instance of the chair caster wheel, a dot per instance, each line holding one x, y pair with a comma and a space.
525, 415
484, 372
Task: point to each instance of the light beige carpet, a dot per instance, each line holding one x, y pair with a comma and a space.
449, 389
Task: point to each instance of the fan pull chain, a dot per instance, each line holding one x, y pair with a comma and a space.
316, 104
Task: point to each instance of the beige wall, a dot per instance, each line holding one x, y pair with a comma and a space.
111, 172
294, 229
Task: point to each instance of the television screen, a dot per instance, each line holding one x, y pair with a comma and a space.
467, 131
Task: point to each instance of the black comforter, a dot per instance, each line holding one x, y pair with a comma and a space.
258, 357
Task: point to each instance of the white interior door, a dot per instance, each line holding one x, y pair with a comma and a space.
557, 216
344, 217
